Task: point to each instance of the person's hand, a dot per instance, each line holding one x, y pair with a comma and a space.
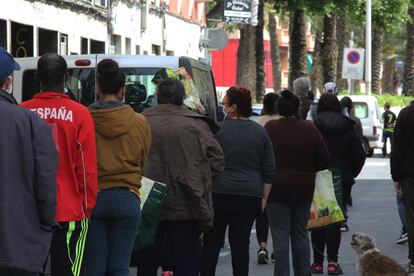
200, 109
264, 202
398, 189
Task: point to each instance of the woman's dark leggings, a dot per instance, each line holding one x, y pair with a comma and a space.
239, 229
329, 237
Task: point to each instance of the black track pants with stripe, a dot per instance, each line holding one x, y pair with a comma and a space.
68, 246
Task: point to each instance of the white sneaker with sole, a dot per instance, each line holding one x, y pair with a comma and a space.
403, 238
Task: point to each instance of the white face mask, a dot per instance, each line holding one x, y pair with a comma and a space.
9, 89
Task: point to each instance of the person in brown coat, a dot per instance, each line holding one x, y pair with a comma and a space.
123, 140
299, 152
185, 156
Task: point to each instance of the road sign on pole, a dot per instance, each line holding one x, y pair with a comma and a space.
238, 11
353, 64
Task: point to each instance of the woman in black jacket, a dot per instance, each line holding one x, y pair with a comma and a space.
347, 157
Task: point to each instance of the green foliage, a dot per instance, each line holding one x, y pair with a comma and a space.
386, 14
393, 100
395, 42
314, 7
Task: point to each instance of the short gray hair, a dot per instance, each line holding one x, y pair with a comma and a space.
301, 87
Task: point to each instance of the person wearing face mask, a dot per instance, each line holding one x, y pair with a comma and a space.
74, 134
123, 139
241, 191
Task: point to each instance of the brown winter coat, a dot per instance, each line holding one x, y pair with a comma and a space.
123, 139
184, 155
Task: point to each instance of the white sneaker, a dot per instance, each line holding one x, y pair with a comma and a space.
403, 238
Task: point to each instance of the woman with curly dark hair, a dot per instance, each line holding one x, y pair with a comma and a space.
239, 192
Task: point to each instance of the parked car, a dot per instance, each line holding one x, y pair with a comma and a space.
366, 108
139, 71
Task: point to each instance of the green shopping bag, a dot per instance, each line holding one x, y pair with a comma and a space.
325, 209
152, 197
337, 184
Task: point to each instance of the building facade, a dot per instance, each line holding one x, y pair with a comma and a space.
70, 27
224, 62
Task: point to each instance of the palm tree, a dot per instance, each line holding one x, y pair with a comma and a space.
329, 49
393, 48
408, 88
274, 50
297, 59
316, 78
377, 42
260, 74
246, 73
342, 37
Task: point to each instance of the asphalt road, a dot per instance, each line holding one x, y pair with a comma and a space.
374, 212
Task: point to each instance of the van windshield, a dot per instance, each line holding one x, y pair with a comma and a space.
139, 88
80, 85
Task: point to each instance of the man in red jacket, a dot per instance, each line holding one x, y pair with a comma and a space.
73, 131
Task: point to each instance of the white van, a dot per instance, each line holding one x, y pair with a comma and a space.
139, 71
366, 108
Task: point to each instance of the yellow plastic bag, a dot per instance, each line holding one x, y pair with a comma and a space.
325, 209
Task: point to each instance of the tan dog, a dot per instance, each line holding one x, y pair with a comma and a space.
373, 262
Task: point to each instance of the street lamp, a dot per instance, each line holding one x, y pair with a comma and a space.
368, 49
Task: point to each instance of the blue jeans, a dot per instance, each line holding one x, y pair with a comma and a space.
113, 226
401, 212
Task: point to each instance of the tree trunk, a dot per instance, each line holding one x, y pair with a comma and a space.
246, 75
342, 37
274, 50
260, 74
329, 49
298, 51
316, 78
390, 76
408, 87
377, 42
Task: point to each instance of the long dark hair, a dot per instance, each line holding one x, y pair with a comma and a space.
328, 102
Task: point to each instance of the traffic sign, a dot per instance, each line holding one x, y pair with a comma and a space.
353, 64
353, 57
238, 11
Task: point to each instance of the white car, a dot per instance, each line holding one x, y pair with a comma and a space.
366, 108
139, 71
